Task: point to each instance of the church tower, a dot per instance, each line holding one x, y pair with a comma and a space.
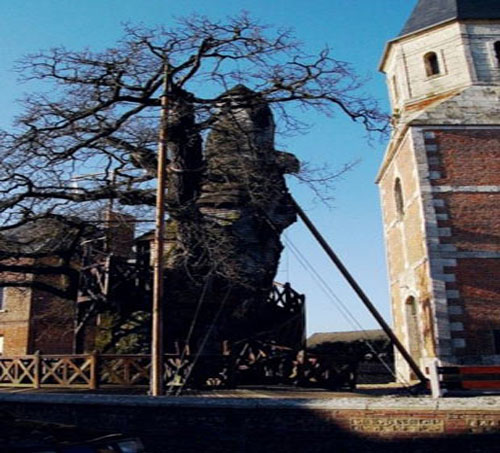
440, 182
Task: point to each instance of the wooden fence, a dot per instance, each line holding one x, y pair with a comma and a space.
93, 371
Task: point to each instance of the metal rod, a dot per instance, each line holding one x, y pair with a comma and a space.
156, 382
357, 289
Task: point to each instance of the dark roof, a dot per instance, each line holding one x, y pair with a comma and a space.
432, 12
320, 338
39, 237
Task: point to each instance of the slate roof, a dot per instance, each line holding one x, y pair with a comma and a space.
432, 12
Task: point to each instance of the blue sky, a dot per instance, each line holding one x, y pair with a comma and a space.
356, 31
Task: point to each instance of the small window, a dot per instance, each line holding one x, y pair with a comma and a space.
398, 198
496, 48
431, 64
496, 341
2, 298
1, 344
395, 88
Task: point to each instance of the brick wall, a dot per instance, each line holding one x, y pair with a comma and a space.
468, 157
14, 324
274, 425
466, 177
33, 319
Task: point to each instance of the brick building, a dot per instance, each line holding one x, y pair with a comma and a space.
52, 271
38, 292
440, 182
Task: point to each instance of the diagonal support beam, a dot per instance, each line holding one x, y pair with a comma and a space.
361, 294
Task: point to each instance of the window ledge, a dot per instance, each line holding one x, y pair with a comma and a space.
436, 76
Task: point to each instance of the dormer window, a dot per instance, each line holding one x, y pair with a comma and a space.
496, 48
431, 64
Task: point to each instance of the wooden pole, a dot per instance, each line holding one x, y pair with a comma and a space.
94, 370
357, 289
156, 381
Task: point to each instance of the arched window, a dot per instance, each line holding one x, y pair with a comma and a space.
398, 198
496, 47
413, 328
431, 64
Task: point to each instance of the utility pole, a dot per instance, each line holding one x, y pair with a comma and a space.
156, 382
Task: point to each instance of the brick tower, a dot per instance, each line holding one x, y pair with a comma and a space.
440, 182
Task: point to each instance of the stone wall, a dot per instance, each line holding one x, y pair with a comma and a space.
407, 253
405, 64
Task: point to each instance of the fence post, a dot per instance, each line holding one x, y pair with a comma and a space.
94, 371
37, 372
436, 390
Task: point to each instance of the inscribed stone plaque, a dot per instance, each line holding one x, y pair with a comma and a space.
483, 424
397, 425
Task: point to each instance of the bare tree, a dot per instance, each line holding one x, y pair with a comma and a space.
100, 115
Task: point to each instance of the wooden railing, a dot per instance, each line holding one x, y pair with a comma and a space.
93, 371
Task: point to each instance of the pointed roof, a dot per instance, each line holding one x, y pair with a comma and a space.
433, 12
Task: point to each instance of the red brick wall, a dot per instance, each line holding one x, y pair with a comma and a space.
52, 323
472, 158
33, 319
14, 320
478, 281
469, 157
474, 219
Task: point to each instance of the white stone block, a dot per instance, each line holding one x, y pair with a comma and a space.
444, 232
455, 310
459, 343
450, 278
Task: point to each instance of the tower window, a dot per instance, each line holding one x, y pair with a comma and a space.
398, 198
431, 64
496, 48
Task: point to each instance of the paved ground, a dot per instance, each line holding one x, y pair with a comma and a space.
243, 392
382, 392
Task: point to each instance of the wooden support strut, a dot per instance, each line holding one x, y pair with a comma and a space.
357, 289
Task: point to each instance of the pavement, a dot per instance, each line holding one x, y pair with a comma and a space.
392, 397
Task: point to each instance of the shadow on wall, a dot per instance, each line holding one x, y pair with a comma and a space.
197, 425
